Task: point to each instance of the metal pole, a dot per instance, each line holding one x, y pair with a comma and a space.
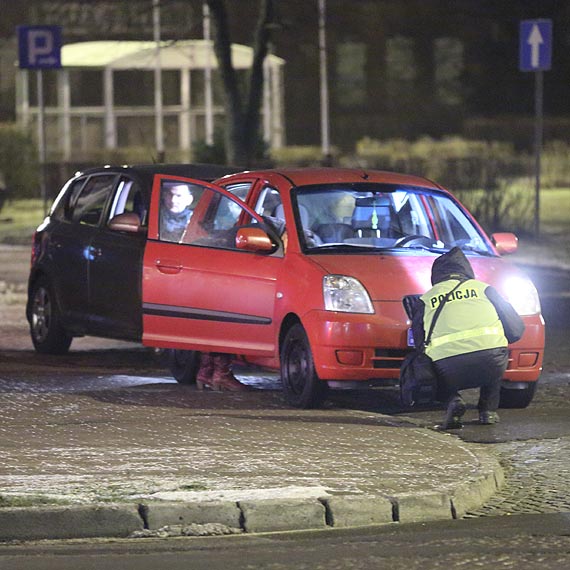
42, 137
325, 127
208, 99
159, 124
538, 135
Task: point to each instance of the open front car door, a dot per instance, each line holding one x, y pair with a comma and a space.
210, 269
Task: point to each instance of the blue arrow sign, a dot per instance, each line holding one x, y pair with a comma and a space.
39, 47
535, 45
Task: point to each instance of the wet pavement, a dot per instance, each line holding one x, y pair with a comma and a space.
105, 424
105, 436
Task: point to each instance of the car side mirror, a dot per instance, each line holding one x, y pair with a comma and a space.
505, 242
127, 222
255, 240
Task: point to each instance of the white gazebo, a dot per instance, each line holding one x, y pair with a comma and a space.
189, 114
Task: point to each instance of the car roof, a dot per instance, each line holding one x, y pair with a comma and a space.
207, 172
324, 175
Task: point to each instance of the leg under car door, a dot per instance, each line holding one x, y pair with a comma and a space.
201, 292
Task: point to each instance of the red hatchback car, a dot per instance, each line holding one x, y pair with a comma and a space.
304, 271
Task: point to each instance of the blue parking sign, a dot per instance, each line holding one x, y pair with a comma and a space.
39, 47
535, 45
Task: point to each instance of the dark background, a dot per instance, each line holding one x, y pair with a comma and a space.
397, 68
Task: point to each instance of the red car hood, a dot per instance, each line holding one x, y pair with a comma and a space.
390, 277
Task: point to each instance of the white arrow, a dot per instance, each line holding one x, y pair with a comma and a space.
535, 40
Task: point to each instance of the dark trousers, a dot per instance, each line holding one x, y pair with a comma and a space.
482, 369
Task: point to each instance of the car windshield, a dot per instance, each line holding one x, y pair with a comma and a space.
368, 217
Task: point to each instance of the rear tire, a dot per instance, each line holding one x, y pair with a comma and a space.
46, 330
184, 365
521, 398
302, 387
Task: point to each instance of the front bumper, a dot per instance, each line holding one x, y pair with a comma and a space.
361, 347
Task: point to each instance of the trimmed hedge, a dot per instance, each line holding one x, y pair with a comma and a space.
18, 161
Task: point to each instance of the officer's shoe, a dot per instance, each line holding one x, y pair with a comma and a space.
455, 410
488, 418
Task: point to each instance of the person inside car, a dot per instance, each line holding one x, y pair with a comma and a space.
175, 212
469, 341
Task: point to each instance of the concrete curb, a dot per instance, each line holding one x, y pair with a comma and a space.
317, 510
35, 523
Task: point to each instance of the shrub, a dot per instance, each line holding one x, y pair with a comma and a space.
18, 161
299, 156
452, 161
510, 207
555, 164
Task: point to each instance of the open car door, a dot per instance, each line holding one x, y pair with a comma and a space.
209, 271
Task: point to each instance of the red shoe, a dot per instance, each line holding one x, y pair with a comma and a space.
223, 379
204, 378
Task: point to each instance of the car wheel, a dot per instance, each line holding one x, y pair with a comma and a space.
301, 385
184, 365
521, 398
46, 330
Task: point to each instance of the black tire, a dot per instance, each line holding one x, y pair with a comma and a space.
184, 365
301, 385
519, 398
46, 330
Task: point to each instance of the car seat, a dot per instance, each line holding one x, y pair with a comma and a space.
372, 217
334, 232
303, 212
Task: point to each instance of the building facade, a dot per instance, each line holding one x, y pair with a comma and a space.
396, 68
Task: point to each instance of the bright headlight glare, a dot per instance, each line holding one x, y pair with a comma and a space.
522, 295
345, 294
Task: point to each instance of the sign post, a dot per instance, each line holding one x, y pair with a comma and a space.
535, 54
39, 48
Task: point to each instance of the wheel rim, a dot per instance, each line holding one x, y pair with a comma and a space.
41, 314
298, 367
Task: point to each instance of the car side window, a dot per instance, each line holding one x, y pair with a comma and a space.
268, 202
216, 221
63, 206
91, 201
129, 199
241, 189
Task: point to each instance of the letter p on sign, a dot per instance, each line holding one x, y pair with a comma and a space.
39, 47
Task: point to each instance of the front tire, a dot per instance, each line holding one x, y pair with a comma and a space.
184, 365
302, 387
46, 330
517, 398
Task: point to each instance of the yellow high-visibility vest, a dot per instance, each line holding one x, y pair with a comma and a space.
468, 321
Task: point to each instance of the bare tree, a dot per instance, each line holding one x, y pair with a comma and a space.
242, 109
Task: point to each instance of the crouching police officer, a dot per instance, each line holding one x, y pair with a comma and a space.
470, 338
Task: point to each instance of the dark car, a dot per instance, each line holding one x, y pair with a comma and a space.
86, 270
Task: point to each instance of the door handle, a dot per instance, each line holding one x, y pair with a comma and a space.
168, 266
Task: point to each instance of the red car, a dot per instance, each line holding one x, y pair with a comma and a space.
304, 271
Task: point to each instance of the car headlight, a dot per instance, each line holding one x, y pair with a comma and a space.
346, 294
522, 295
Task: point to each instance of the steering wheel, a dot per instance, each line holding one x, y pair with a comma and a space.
416, 238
